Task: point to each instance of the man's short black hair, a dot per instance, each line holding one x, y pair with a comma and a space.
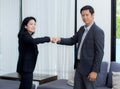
87, 7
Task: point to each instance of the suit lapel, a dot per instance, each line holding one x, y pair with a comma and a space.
89, 33
80, 35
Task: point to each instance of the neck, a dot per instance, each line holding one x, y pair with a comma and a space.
89, 24
30, 32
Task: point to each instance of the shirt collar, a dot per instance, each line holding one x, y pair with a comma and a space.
88, 28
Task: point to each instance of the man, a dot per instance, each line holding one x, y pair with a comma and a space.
90, 39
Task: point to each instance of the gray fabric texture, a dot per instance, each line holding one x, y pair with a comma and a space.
102, 76
58, 84
10, 84
61, 84
114, 67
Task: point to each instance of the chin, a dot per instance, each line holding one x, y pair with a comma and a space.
32, 31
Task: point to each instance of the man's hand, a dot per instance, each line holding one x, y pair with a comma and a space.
92, 76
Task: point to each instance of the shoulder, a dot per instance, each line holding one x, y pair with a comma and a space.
81, 29
23, 34
97, 29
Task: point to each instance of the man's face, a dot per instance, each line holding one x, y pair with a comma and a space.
87, 17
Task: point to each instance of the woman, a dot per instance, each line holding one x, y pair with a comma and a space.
28, 51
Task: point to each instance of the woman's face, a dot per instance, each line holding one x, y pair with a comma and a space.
31, 26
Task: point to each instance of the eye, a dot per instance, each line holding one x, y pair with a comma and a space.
35, 24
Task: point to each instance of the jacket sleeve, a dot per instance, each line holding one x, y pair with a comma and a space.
69, 41
26, 37
99, 49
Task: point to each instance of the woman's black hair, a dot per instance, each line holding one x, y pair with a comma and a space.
24, 23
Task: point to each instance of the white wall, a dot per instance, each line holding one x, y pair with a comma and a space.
102, 19
9, 26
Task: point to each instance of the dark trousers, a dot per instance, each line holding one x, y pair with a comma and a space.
81, 81
26, 81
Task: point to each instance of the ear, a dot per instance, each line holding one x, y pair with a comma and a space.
25, 26
93, 14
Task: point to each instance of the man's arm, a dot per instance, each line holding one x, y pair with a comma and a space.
66, 41
99, 50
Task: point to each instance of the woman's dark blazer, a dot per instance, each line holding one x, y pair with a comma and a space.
28, 51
